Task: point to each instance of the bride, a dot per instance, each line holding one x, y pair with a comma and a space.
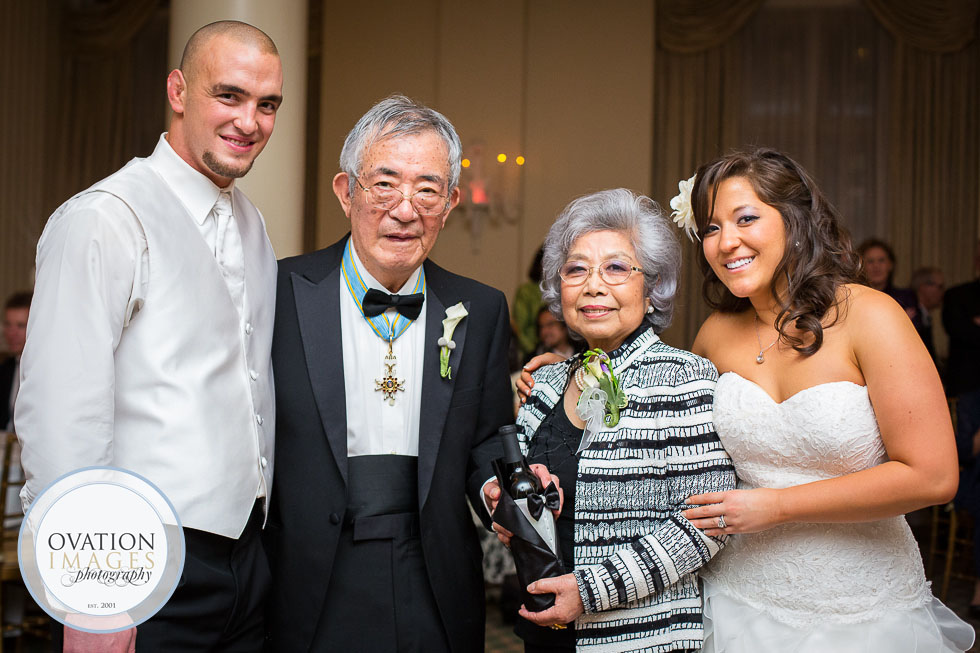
834, 416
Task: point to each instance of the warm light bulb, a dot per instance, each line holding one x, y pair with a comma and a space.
519, 160
465, 163
501, 157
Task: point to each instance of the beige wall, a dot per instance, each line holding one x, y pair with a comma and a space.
568, 84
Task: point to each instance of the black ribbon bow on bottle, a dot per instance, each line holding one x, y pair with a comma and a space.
376, 302
550, 499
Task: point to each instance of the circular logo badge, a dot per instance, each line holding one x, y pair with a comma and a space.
101, 549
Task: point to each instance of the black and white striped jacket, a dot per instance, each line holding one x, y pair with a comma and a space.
635, 554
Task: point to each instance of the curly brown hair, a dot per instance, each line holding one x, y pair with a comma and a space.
818, 258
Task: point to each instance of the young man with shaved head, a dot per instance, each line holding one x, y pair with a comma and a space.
149, 341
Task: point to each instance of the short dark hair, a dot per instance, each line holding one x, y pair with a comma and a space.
877, 243
20, 299
871, 243
235, 29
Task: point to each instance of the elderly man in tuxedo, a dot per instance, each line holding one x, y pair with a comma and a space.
386, 415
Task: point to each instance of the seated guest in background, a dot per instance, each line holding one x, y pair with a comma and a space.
961, 318
15, 313
386, 419
878, 266
927, 284
527, 302
552, 335
611, 267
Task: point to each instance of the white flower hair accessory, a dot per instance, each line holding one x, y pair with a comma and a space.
683, 214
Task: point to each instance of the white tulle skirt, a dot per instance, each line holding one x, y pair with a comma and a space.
732, 626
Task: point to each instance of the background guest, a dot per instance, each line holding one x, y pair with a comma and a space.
961, 318
878, 266
15, 313
928, 285
553, 335
527, 302
611, 267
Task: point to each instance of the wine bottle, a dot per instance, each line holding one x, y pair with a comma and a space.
522, 482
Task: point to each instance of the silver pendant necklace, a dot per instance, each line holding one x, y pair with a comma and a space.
760, 359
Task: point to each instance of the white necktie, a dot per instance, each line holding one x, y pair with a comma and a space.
228, 250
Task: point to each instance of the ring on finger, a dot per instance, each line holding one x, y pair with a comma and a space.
721, 521
558, 626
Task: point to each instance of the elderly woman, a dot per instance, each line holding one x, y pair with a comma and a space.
611, 265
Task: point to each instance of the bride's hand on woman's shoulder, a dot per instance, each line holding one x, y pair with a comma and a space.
524, 381
735, 511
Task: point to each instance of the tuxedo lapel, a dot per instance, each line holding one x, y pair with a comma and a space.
437, 392
318, 310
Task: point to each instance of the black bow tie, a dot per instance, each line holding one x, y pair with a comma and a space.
550, 499
376, 302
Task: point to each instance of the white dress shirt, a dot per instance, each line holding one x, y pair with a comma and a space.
94, 274
374, 426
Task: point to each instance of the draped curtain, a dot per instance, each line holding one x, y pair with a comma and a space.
878, 100
85, 78
112, 104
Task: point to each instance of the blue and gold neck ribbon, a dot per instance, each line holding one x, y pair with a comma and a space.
380, 324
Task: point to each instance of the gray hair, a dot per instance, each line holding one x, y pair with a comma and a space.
923, 276
395, 116
640, 219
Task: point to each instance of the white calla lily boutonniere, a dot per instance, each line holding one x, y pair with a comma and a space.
454, 315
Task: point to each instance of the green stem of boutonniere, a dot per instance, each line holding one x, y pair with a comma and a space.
596, 371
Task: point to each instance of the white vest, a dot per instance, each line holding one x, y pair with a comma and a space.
194, 400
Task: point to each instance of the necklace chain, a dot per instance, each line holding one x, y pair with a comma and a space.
761, 358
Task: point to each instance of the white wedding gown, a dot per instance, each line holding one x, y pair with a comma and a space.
816, 588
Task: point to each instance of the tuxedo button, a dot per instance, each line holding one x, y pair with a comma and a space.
258, 418
248, 328
334, 518
264, 462
253, 374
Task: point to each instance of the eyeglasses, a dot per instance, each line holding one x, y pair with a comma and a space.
425, 201
613, 272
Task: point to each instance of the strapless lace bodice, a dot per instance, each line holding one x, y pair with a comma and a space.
805, 574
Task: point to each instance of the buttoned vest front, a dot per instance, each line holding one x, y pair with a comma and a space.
194, 400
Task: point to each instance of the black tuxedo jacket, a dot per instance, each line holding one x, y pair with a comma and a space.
457, 440
961, 304
924, 329
7, 368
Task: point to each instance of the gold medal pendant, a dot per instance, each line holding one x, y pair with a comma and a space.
388, 384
